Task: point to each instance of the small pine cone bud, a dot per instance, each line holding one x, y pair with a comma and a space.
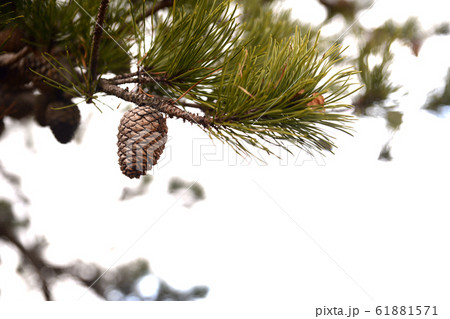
63, 122
141, 140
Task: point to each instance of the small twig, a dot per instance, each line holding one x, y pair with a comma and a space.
34, 260
143, 79
155, 8
124, 76
134, 74
14, 181
39, 265
160, 104
96, 37
47, 271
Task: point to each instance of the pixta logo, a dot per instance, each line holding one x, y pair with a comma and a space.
205, 150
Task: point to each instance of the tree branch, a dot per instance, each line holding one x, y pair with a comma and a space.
96, 37
160, 104
14, 181
199, 106
155, 8
43, 268
135, 79
89, 275
34, 260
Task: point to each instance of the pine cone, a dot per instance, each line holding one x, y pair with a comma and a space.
20, 75
63, 122
40, 65
141, 140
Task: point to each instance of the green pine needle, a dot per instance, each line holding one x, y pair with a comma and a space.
267, 96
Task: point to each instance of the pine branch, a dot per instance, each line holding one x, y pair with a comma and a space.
199, 106
96, 37
252, 89
160, 104
139, 77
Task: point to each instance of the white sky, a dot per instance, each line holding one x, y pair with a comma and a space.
342, 230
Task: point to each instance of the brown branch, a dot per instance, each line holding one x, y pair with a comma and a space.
96, 37
155, 8
143, 79
44, 269
77, 271
142, 72
89, 275
14, 181
160, 104
124, 76
34, 260
202, 107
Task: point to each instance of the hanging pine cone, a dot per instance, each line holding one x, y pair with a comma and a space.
38, 64
141, 140
63, 122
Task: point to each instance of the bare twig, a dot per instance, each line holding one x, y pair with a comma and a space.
160, 104
46, 271
34, 260
14, 181
155, 8
96, 37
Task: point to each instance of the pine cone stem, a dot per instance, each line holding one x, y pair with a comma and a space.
160, 104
